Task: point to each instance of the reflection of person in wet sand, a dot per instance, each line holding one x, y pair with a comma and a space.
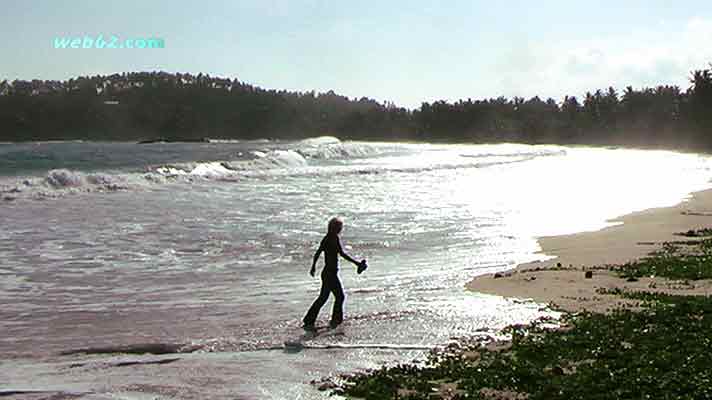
330, 283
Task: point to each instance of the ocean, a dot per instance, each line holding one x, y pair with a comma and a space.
203, 250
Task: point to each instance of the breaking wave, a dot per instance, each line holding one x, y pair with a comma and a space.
59, 182
255, 162
331, 148
63, 178
320, 156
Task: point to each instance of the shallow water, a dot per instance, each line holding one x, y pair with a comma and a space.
208, 246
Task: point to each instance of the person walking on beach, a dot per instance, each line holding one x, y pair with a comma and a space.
330, 283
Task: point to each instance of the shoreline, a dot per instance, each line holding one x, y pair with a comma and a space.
623, 332
561, 282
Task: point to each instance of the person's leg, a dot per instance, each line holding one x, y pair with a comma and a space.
313, 312
337, 316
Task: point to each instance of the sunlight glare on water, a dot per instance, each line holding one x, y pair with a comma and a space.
215, 253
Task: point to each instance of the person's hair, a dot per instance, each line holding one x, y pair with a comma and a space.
335, 225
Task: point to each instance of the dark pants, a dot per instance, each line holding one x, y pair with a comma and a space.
330, 283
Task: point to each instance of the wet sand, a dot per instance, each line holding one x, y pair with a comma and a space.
636, 235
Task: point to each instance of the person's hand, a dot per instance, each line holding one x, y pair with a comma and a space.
361, 266
312, 271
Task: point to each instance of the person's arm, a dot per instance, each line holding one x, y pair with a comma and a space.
343, 253
316, 258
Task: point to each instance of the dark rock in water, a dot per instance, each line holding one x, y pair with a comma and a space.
45, 394
132, 363
174, 140
150, 141
588, 274
128, 363
498, 275
144, 348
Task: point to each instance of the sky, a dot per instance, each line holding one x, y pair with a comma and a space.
402, 51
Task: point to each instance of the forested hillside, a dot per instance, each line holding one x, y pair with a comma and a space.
152, 105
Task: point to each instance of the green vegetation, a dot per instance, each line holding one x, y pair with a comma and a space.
660, 352
688, 260
149, 105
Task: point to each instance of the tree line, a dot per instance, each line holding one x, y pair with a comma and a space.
153, 105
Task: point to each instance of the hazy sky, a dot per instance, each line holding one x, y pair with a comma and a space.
404, 51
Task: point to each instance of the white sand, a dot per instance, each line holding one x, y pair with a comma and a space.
569, 290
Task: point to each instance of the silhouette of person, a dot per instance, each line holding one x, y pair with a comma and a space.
330, 283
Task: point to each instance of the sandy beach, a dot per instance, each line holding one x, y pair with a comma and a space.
561, 281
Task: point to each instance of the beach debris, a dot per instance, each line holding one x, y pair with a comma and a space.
555, 370
327, 386
696, 232
700, 214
